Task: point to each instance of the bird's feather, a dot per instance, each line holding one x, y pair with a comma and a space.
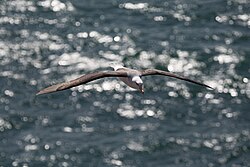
165, 73
121, 72
82, 80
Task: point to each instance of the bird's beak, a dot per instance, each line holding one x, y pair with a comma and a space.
141, 88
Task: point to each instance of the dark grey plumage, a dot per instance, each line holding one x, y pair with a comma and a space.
121, 72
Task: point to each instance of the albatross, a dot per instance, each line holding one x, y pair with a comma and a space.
130, 77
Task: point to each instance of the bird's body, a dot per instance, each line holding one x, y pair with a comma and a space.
133, 79
130, 77
128, 81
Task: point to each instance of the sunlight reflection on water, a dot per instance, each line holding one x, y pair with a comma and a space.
105, 123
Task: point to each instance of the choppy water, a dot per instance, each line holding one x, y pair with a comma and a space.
106, 123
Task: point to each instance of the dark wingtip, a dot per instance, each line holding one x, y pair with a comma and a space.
50, 89
209, 86
39, 93
42, 92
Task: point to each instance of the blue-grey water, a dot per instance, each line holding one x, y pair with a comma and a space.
105, 123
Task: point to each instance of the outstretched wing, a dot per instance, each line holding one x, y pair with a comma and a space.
165, 73
82, 80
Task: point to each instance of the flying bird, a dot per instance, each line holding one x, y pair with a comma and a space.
130, 77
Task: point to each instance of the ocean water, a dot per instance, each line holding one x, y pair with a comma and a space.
105, 123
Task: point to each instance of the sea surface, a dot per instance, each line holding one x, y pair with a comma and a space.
105, 123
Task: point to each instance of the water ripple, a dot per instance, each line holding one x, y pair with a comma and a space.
105, 123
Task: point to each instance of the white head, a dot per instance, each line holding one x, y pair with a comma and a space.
139, 83
116, 66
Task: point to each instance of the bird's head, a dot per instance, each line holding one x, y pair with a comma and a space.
116, 65
139, 83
